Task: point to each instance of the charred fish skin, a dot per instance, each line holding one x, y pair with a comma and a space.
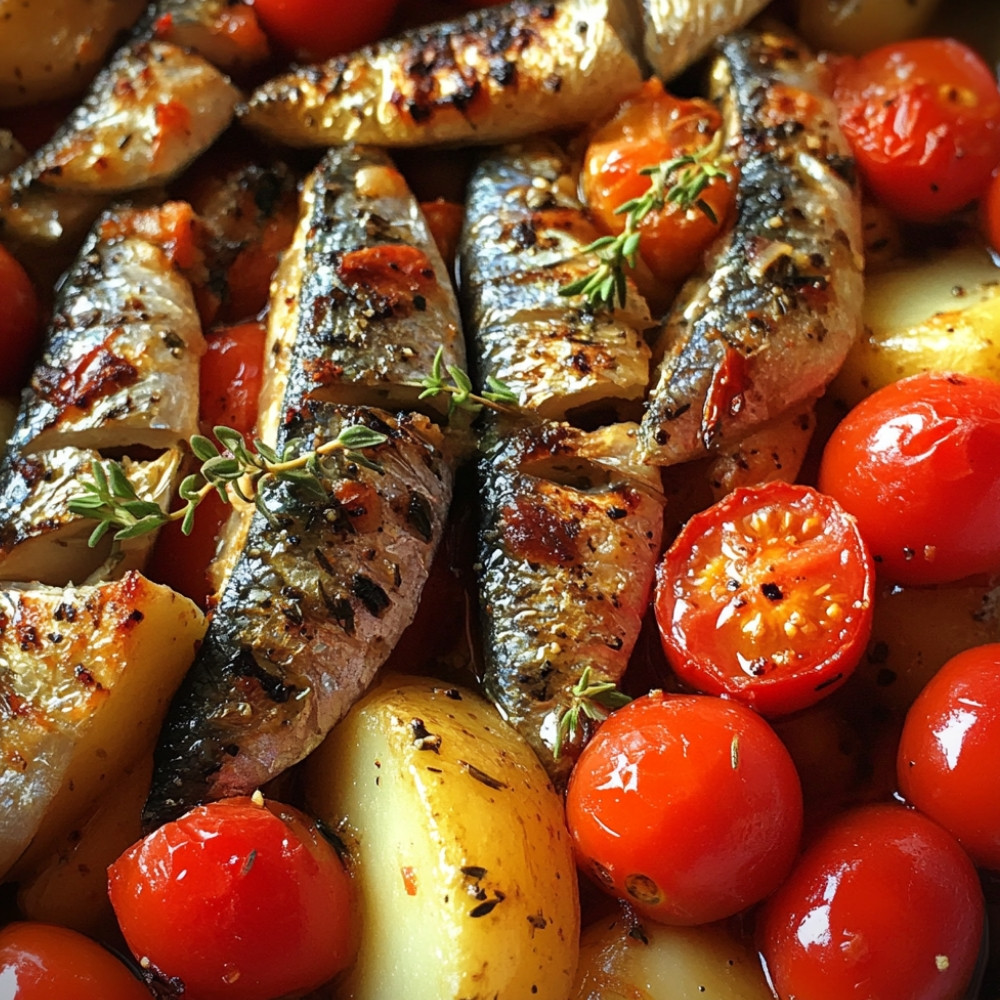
767, 322
524, 238
571, 530
312, 608
375, 301
495, 74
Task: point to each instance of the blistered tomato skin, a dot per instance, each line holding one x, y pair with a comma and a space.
949, 750
316, 30
923, 121
236, 900
686, 806
883, 905
43, 962
766, 597
918, 464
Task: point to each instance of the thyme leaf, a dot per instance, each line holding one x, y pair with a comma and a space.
497, 395
680, 181
594, 700
234, 470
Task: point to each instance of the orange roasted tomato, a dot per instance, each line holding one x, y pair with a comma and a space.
686, 806
237, 899
44, 962
651, 128
765, 597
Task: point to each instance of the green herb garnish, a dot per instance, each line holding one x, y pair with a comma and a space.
497, 395
595, 701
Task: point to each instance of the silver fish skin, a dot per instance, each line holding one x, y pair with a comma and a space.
676, 33
120, 362
316, 594
374, 300
312, 608
571, 531
151, 111
495, 74
767, 321
524, 238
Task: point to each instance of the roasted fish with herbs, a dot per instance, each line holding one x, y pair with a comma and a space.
118, 375
524, 240
571, 530
328, 572
766, 323
495, 74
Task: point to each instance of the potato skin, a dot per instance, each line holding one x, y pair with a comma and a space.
51, 48
465, 873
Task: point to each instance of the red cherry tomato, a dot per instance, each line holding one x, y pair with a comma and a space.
923, 121
236, 900
918, 464
20, 324
686, 806
44, 962
649, 128
315, 30
766, 597
884, 905
949, 751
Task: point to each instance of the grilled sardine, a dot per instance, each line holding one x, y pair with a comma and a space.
524, 236
495, 74
571, 531
767, 322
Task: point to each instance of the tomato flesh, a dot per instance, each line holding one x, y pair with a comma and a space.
918, 464
652, 127
950, 745
885, 904
44, 962
20, 324
765, 597
686, 806
236, 900
923, 121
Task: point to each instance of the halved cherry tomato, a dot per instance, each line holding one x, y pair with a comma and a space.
315, 30
44, 962
20, 324
686, 806
651, 127
949, 750
918, 464
923, 121
766, 598
237, 900
884, 905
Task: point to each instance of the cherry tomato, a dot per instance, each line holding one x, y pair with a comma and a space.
232, 373
766, 598
991, 212
315, 30
686, 806
883, 905
237, 900
923, 121
949, 751
918, 464
44, 962
20, 324
652, 127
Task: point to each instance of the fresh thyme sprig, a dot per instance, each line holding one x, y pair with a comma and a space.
235, 470
594, 700
497, 396
687, 177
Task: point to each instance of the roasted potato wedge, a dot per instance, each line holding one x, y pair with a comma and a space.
463, 863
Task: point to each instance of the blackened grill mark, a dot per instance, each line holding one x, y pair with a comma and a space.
340, 610
246, 665
418, 515
371, 595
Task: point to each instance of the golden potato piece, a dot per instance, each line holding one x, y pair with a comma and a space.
461, 853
